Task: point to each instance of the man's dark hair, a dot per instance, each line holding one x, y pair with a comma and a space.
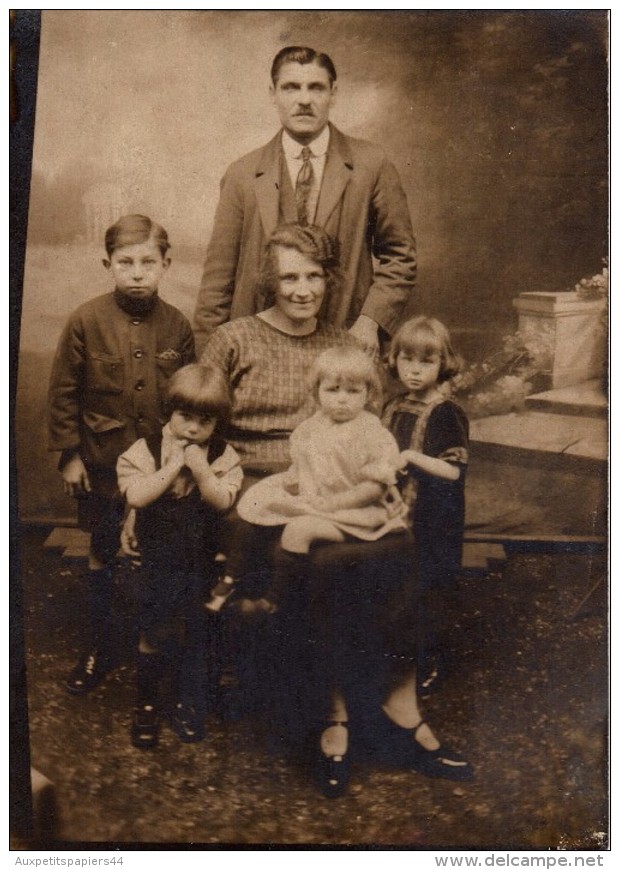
302, 54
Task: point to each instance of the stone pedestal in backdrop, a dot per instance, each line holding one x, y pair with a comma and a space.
575, 330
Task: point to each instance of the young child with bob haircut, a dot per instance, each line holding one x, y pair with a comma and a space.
432, 432
180, 480
114, 358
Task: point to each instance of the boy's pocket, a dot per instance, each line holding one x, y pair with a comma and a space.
104, 373
99, 423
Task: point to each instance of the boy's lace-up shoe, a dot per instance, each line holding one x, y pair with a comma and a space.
91, 670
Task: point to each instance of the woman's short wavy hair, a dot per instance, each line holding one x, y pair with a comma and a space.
313, 242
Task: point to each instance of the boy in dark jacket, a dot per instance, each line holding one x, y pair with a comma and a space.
113, 360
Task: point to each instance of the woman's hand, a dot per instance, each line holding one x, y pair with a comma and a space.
75, 477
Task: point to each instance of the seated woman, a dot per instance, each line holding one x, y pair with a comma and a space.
267, 359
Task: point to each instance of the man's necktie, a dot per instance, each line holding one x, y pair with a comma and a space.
303, 186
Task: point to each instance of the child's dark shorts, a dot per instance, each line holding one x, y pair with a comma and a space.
101, 513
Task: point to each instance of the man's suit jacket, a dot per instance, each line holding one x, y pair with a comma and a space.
361, 202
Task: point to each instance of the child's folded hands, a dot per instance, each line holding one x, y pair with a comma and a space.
177, 453
195, 457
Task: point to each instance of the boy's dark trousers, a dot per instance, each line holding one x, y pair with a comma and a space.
172, 621
100, 589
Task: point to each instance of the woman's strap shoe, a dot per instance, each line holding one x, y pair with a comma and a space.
442, 763
391, 744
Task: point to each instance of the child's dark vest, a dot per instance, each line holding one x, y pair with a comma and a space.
179, 535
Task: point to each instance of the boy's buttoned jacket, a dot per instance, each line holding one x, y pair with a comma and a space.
361, 202
109, 376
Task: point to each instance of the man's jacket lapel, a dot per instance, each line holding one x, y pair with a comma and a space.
266, 185
336, 176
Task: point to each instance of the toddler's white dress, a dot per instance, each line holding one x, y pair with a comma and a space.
329, 459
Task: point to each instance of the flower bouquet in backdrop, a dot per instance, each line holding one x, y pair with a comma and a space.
500, 383
596, 287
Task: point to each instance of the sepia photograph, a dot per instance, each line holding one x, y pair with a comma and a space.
310, 316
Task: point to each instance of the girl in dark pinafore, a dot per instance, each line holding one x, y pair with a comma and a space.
432, 433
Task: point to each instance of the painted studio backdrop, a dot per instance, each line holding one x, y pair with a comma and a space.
496, 122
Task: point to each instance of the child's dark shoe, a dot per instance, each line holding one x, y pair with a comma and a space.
332, 772
430, 674
254, 608
220, 594
91, 670
187, 724
145, 727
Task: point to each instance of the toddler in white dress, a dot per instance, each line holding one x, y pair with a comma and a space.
342, 480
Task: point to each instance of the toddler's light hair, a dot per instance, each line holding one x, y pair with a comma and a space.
422, 336
347, 364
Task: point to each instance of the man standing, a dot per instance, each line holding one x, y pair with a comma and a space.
311, 173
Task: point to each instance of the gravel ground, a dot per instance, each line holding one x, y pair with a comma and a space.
527, 702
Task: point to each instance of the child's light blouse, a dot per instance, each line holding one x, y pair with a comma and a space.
139, 460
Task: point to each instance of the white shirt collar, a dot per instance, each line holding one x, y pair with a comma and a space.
292, 149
